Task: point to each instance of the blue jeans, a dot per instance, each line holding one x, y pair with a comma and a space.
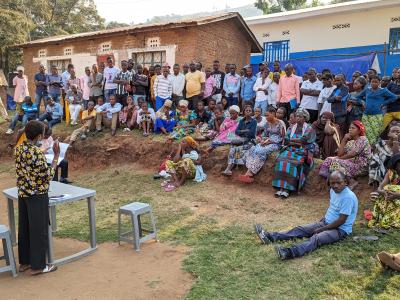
46, 116
108, 93
38, 99
232, 101
22, 118
160, 102
263, 105
314, 241
56, 97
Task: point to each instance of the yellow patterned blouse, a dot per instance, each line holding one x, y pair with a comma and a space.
33, 173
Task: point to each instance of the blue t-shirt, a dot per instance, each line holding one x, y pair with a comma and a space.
345, 203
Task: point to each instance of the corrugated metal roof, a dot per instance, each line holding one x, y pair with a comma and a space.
153, 26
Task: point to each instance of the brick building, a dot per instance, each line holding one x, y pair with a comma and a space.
225, 37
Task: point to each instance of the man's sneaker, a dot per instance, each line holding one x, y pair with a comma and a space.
283, 253
9, 131
262, 235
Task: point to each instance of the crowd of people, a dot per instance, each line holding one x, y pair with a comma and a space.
353, 126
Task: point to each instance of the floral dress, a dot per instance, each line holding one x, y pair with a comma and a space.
386, 213
183, 120
186, 163
256, 156
379, 159
352, 167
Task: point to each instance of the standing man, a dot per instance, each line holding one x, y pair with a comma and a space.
209, 87
247, 92
232, 86
219, 77
195, 85
178, 84
54, 82
311, 89
261, 68
185, 68
66, 75
163, 87
140, 84
41, 86
273, 89
157, 72
289, 90
277, 69
123, 80
84, 86
110, 72
338, 100
334, 227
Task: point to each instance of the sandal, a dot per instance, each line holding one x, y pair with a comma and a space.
48, 269
227, 173
169, 188
278, 194
284, 195
374, 196
165, 183
246, 179
365, 238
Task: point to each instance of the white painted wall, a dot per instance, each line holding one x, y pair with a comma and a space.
367, 27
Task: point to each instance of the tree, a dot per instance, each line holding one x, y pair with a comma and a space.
114, 24
339, 1
274, 6
25, 20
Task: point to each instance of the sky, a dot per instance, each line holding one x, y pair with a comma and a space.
138, 11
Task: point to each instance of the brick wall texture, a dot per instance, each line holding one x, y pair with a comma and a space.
223, 40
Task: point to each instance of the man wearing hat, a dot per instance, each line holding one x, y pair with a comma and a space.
20, 83
163, 87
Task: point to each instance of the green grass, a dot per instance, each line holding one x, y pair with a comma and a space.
226, 259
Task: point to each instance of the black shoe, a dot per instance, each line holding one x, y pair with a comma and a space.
262, 235
283, 253
65, 181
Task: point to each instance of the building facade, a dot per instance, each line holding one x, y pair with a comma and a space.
225, 37
331, 32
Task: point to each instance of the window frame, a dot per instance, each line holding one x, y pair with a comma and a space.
276, 50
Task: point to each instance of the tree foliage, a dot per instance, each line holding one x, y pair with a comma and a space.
274, 6
26, 20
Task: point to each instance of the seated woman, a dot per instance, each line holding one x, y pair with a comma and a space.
146, 118
270, 141
213, 127
183, 165
381, 155
185, 121
293, 164
261, 120
327, 132
128, 115
352, 157
227, 129
386, 211
281, 114
165, 121
246, 131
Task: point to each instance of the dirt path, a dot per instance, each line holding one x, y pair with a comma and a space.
112, 272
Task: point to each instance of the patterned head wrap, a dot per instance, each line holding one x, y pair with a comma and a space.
190, 141
184, 103
234, 108
360, 126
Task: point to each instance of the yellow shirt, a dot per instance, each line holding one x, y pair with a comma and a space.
271, 74
193, 83
86, 114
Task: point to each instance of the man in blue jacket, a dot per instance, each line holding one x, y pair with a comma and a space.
29, 111
53, 114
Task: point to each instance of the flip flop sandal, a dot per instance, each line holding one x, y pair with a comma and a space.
278, 194
245, 179
48, 269
284, 195
374, 195
380, 230
169, 188
226, 173
164, 183
365, 238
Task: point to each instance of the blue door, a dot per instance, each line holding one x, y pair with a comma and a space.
278, 50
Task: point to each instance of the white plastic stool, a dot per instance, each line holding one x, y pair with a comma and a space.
135, 210
5, 236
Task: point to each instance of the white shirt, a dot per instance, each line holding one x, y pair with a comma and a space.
260, 95
163, 86
109, 75
178, 84
325, 93
272, 91
84, 80
310, 102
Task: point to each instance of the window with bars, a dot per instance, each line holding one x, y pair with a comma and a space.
394, 41
150, 58
278, 50
61, 64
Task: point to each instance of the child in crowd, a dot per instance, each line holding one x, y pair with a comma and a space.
128, 115
146, 118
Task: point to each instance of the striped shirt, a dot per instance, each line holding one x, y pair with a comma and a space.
126, 76
163, 87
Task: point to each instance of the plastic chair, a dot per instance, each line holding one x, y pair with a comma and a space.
5, 236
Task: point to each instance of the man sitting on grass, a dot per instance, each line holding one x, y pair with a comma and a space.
107, 114
53, 114
88, 123
335, 226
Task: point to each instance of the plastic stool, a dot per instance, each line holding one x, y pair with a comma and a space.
5, 236
135, 210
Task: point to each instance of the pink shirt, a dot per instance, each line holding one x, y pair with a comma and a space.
209, 85
83, 81
21, 88
289, 89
